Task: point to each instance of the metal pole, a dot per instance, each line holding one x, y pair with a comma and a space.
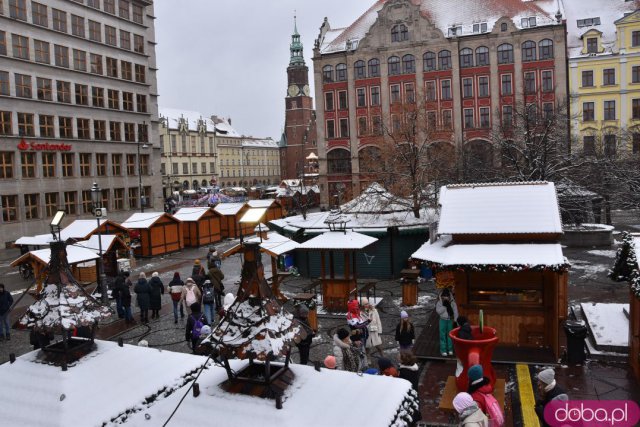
101, 276
140, 180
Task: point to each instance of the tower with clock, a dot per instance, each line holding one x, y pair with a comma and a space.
299, 135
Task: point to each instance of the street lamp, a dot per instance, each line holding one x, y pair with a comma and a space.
96, 199
144, 145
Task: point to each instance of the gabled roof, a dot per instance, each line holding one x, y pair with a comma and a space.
227, 209
337, 240
191, 214
75, 255
173, 116
107, 241
262, 203
145, 219
82, 228
500, 208
37, 240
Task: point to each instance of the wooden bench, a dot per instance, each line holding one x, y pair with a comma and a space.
366, 289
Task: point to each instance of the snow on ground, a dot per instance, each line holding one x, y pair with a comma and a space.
609, 253
587, 269
608, 323
375, 301
423, 301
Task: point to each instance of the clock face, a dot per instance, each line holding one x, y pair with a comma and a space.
306, 90
293, 90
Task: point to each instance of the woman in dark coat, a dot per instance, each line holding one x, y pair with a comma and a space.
143, 292
157, 290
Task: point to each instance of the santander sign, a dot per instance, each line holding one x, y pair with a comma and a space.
42, 146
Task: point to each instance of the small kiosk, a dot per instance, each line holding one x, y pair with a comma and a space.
83, 229
113, 248
230, 214
275, 210
200, 226
159, 233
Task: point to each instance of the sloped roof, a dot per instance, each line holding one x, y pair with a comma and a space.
93, 243
262, 203
81, 228
75, 255
375, 199
173, 116
229, 208
338, 240
144, 219
500, 208
37, 240
191, 214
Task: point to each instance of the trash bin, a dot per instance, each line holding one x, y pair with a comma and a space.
576, 333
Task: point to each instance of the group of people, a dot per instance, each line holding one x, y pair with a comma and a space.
148, 295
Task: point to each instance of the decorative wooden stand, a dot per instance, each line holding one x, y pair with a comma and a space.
410, 286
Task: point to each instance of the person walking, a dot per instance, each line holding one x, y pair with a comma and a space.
190, 293
216, 276
405, 332
549, 391
408, 368
175, 290
198, 274
196, 321
6, 301
304, 346
448, 311
209, 300
467, 409
143, 294
157, 290
122, 294
118, 283
374, 340
213, 259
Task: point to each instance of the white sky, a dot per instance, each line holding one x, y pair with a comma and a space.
229, 57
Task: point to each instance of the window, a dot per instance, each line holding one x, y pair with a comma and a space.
547, 111
431, 120
609, 110
143, 132
328, 101
468, 118
609, 76
408, 64
394, 65
70, 201
635, 143
5, 123
327, 74
144, 165
131, 165
635, 109
635, 74
118, 199
341, 72
444, 60
110, 35
359, 70
46, 126
399, 33
374, 67
331, 129
480, 28
447, 121
133, 197
342, 100
79, 60
610, 145
483, 86
10, 208
429, 61
484, 117
59, 20
138, 43
83, 128
375, 96
42, 51
110, 6
20, 46
466, 58
48, 165
4, 83
77, 25
28, 163
529, 82
588, 22
50, 204
39, 15
455, 31
96, 64
65, 127
67, 164
185, 168
6, 164
61, 55
409, 93
505, 54
394, 90
23, 86
112, 67
64, 91
129, 132
113, 99
123, 9
503, 27
25, 124
140, 73
127, 101
361, 97
97, 97
588, 111
95, 31
546, 49
116, 164
445, 86
100, 130
482, 56
85, 164
528, 51
467, 87
101, 164
125, 39
338, 161
362, 126
528, 22
137, 14
587, 78
141, 105
592, 45
94, 4
506, 86
18, 9
3, 43
547, 81
635, 38
507, 116
31, 206
430, 90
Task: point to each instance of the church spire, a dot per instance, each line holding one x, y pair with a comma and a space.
297, 56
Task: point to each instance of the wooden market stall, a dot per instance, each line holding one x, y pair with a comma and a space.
200, 226
112, 247
231, 213
83, 229
498, 248
275, 210
158, 233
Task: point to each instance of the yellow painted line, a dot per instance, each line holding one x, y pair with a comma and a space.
527, 398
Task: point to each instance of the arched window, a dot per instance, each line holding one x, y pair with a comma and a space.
341, 72
339, 161
444, 60
374, 67
204, 183
185, 185
399, 33
546, 49
394, 65
327, 74
359, 70
429, 61
529, 51
505, 54
482, 56
408, 64
195, 184
466, 58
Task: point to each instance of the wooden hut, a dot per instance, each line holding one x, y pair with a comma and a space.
112, 247
158, 233
229, 222
275, 210
83, 229
498, 247
200, 226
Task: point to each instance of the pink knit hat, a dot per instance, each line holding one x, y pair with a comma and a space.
330, 362
462, 401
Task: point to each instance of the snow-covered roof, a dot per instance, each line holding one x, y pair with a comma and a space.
75, 255
262, 203
191, 214
337, 240
93, 243
37, 240
376, 199
500, 208
143, 219
80, 228
444, 252
260, 143
229, 208
443, 16
173, 116
276, 244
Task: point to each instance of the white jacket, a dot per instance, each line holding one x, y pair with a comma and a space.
338, 345
375, 328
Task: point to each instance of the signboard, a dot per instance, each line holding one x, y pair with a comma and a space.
42, 146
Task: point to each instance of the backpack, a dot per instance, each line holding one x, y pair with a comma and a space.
191, 297
197, 327
208, 295
494, 412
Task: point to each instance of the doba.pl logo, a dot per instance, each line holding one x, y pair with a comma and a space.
587, 413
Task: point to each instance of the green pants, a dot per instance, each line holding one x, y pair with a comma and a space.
445, 342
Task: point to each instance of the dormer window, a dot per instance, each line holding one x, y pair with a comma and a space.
480, 28
589, 22
592, 45
399, 33
528, 22
455, 31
